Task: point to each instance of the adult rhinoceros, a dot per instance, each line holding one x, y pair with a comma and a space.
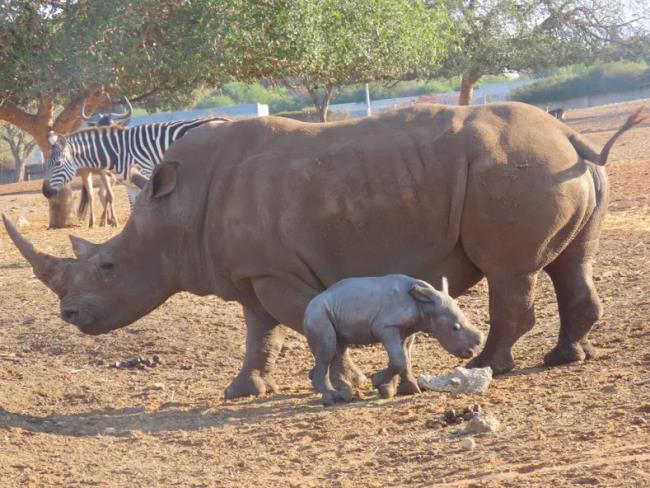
270, 211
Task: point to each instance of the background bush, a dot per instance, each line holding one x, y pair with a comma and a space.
579, 81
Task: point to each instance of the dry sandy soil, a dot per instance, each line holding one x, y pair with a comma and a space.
67, 419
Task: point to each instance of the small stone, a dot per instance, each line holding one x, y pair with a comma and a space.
483, 422
383, 431
468, 443
109, 431
157, 386
639, 421
609, 389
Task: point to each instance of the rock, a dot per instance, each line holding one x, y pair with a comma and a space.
383, 431
468, 443
639, 421
109, 431
22, 222
480, 423
460, 380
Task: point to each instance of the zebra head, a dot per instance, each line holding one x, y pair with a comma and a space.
60, 167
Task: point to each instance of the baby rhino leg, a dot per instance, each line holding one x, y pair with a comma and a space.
386, 380
408, 385
321, 338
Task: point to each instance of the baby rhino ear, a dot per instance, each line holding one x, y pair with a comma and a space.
423, 292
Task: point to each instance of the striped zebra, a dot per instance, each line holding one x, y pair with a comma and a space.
106, 178
112, 148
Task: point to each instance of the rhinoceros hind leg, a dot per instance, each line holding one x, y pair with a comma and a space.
344, 374
512, 314
579, 309
264, 338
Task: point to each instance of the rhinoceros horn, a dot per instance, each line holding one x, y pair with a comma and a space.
44, 265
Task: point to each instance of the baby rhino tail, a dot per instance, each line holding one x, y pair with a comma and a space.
586, 151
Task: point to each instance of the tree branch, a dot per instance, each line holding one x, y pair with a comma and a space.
139, 98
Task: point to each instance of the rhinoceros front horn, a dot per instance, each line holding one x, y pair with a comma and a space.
44, 265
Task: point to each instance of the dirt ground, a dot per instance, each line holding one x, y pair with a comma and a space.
68, 419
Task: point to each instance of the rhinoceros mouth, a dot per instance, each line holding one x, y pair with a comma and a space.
90, 330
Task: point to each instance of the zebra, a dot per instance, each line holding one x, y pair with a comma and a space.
106, 178
112, 148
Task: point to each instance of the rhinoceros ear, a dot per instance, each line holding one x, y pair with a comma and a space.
82, 248
424, 292
163, 180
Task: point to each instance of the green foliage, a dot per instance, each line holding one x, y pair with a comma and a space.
237, 93
524, 35
599, 79
131, 46
320, 45
333, 42
281, 99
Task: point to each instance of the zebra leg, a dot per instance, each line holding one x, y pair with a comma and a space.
106, 195
87, 199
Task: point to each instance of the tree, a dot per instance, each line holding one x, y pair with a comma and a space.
20, 145
56, 56
317, 46
498, 35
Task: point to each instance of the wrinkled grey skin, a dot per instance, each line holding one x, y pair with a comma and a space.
388, 309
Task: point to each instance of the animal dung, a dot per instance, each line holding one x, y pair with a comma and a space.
137, 363
459, 381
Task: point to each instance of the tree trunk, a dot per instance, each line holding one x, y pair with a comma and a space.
62, 212
322, 107
19, 164
37, 125
467, 88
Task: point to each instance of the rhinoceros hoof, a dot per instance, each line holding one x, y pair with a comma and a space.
337, 396
350, 376
564, 353
499, 364
243, 386
387, 390
589, 349
408, 387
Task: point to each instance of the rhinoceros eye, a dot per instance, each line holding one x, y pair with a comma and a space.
107, 266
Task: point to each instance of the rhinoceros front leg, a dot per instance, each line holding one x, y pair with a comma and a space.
512, 314
264, 338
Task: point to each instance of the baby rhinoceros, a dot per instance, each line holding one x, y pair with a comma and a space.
388, 309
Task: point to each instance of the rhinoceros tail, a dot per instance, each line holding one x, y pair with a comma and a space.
586, 150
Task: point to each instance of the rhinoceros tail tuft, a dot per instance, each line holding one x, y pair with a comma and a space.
586, 150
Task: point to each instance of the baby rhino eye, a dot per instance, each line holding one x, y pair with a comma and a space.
456, 326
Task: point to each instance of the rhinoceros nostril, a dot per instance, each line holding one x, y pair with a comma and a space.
69, 315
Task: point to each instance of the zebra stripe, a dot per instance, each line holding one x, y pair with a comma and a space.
115, 148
